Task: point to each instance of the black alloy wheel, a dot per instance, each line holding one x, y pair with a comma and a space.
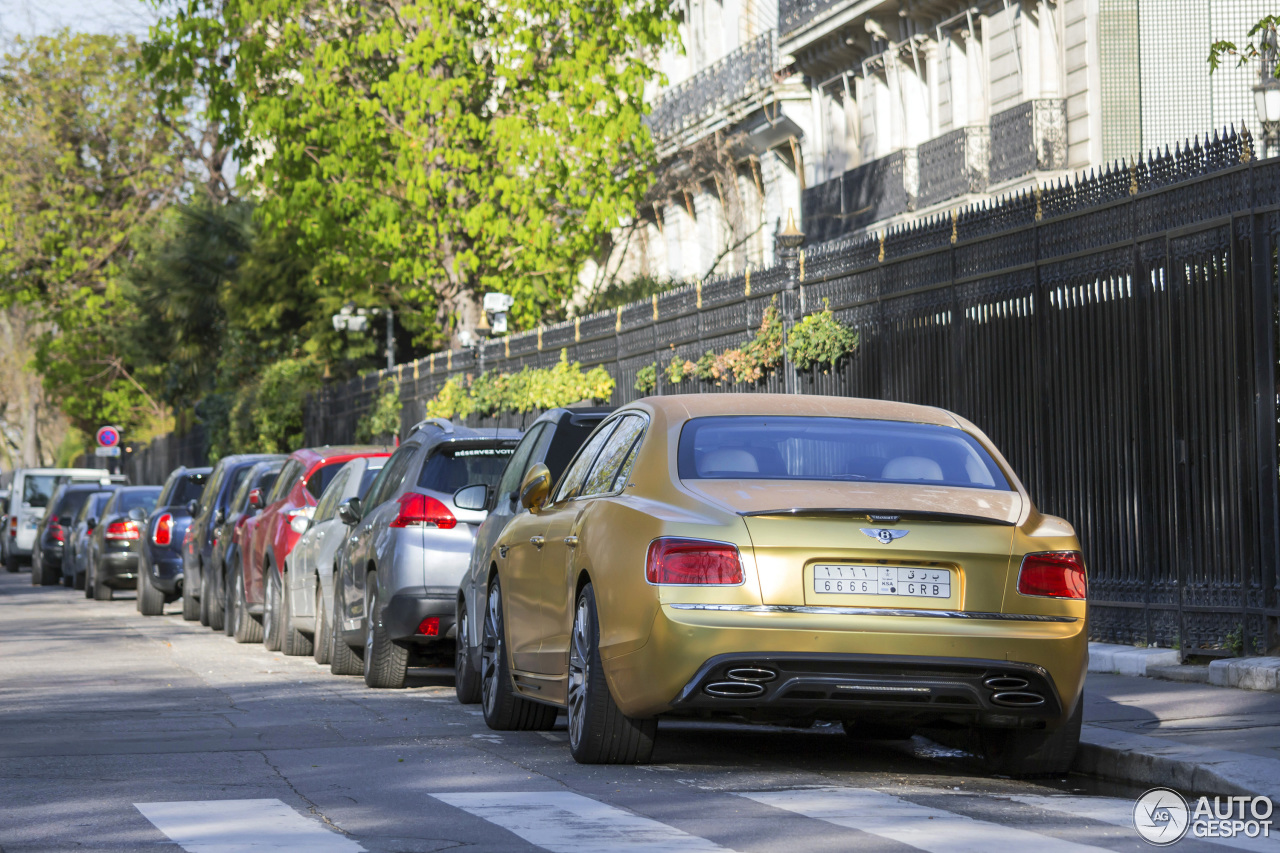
466, 680
504, 709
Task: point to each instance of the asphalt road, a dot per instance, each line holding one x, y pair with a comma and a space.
119, 732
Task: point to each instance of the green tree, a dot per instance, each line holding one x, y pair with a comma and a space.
426, 151
1260, 40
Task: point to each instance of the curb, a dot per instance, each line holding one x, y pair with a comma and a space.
1143, 760
1127, 660
1246, 673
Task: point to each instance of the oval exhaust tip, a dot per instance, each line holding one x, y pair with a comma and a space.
1005, 682
734, 689
752, 673
1018, 699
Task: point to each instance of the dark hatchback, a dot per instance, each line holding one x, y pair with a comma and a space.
51, 533
160, 563
76, 548
225, 554
113, 549
197, 547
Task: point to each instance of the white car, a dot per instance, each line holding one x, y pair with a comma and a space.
29, 495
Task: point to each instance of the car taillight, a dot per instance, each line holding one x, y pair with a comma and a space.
55, 530
423, 511
429, 627
692, 562
163, 534
13, 525
122, 530
1056, 574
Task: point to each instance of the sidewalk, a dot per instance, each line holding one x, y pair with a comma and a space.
1197, 737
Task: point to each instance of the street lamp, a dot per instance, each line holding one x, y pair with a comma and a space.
352, 319
1266, 96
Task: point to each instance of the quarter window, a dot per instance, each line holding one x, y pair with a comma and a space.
288, 476
571, 485
329, 501
514, 473
614, 452
392, 475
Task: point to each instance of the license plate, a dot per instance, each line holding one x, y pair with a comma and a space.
882, 580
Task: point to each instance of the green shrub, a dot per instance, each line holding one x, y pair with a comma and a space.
383, 419
647, 378
820, 338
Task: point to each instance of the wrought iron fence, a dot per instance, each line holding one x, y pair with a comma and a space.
1116, 336
794, 14
151, 463
740, 74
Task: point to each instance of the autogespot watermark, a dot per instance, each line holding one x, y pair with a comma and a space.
1163, 817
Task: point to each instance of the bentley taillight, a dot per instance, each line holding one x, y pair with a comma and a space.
423, 511
163, 534
692, 562
126, 531
1055, 574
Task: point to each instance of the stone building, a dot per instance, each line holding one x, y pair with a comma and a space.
862, 114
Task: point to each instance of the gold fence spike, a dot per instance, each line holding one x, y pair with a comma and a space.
747, 292
802, 264
699, 294
655, 306
617, 325
506, 346
880, 257
955, 218
539, 339
577, 329
448, 364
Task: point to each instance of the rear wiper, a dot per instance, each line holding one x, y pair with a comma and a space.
880, 515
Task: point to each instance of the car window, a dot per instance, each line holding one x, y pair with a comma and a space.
392, 475
98, 504
577, 473
519, 461
568, 437
322, 477
267, 482
188, 487
144, 499
826, 448
367, 478
237, 480
210, 494
333, 492
290, 474
38, 488
85, 509
613, 453
452, 467
71, 501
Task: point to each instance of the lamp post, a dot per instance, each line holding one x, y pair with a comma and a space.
788, 243
352, 319
1266, 96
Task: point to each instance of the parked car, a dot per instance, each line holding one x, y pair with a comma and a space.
29, 494
268, 537
225, 556
197, 545
76, 558
398, 573
551, 440
116, 540
788, 557
305, 621
160, 556
53, 527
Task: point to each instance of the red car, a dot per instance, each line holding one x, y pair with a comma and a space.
269, 536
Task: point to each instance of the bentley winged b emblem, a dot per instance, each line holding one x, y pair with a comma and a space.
884, 535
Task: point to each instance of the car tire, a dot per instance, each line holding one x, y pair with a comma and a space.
323, 644
77, 581
101, 592
1022, 752
87, 586
293, 642
245, 629
190, 604
599, 733
504, 709
217, 609
385, 663
41, 576
343, 660
229, 604
204, 598
150, 599
466, 680
69, 581
11, 564
271, 620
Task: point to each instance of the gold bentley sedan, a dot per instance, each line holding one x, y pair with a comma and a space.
787, 559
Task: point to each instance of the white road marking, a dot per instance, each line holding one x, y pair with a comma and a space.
922, 827
564, 822
1119, 812
243, 826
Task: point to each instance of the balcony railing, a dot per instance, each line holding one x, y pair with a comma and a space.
745, 71
861, 196
794, 14
954, 164
1030, 136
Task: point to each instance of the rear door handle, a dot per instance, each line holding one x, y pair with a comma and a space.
537, 541
571, 541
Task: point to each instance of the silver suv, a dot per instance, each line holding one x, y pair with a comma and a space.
408, 547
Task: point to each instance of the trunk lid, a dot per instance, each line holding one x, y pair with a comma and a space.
821, 543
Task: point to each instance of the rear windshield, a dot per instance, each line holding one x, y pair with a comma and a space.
451, 468
843, 449
129, 500
187, 488
71, 501
38, 488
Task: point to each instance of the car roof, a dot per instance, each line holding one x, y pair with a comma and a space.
685, 406
132, 489
311, 455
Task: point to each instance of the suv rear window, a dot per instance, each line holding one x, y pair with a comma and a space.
38, 488
451, 468
71, 501
844, 449
187, 487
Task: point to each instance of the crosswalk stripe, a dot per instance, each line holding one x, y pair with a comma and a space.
564, 822
922, 827
1119, 812
242, 826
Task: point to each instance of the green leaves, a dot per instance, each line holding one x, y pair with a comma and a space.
1265, 32
524, 391
820, 339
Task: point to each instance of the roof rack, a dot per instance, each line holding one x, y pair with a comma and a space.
445, 425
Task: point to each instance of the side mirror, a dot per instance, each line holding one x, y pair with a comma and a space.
90, 524
193, 507
220, 517
350, 511
299, 524
474, 497
137, 514
255, 499
535, 488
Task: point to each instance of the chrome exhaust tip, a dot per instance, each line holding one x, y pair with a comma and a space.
751, 673
1018, 699
734, 689
1005, 682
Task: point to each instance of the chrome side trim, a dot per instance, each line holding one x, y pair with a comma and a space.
871, 611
